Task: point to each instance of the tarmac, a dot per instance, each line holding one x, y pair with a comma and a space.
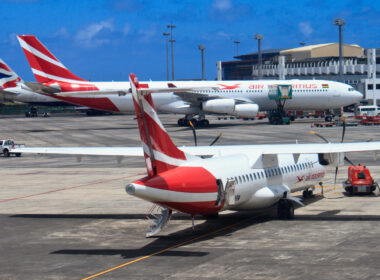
64, 219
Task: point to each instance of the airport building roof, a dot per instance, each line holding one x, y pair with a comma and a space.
322, 50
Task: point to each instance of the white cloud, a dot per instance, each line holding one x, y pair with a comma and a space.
91, 37
62, 32
221, 5
223, 35
305, 28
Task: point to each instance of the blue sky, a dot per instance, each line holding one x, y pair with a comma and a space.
104, 40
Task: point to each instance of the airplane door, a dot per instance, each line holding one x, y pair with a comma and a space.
230, 191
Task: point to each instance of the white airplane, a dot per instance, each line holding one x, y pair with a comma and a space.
240, 177
237, 98
13, 88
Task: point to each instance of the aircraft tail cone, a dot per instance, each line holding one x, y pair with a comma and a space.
130, 189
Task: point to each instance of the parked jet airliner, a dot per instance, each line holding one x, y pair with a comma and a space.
14, 89
237, 98
240, 177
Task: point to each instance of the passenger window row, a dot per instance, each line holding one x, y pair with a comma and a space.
272, 172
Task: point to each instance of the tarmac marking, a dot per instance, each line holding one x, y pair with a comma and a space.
69, 188
169, 248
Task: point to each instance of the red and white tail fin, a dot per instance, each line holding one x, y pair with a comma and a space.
159, 150
8, 77
45, 66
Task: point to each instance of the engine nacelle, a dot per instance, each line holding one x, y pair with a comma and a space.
221, 106
246, 110
228, 106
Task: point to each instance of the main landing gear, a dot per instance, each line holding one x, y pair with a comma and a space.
196, 123
307, 193
285, 209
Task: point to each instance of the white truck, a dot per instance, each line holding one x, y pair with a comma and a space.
6, 147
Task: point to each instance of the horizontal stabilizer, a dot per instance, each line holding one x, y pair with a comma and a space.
40, 88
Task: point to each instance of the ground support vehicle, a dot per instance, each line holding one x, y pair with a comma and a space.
359, 180
370, 120
6, 147
33, 113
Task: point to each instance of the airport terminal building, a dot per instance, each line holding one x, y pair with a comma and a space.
361, 66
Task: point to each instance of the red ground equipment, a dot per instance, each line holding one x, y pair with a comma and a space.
359, 180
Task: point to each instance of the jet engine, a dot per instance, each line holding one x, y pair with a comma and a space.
228, 106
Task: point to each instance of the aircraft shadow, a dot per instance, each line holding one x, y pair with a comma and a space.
225, 225
215, 125
229, 223
176, 216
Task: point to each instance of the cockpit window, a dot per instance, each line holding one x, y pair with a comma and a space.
351, 89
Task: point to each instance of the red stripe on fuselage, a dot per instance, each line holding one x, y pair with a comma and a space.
99, 103
69, 87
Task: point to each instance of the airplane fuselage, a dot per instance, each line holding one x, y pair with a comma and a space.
307, 95
253, 188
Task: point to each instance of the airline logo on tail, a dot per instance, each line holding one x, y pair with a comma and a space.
48, 69
8, 78
160, 152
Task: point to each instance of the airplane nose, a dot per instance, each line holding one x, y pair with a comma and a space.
358, 95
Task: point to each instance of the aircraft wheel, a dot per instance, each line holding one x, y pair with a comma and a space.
305, 194
204, 123
183, 122
285, 209
6, 153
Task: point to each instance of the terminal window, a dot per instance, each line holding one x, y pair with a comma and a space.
370, 86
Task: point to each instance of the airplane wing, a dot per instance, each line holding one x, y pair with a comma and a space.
83, 151
197, 97
8, 92
51, 90
271, 149
267, 149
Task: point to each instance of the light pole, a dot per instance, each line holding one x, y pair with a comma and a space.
237, 47
202, 49
259, 37
340, 22
171, 26
166, 34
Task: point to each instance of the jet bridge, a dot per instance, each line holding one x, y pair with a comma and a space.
279, 93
